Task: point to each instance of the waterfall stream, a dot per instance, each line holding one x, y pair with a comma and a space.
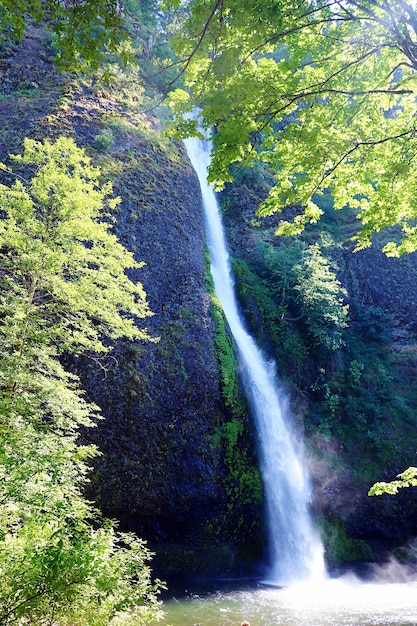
296, 553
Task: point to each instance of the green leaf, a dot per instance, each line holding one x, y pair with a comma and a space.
64, 289
297, 87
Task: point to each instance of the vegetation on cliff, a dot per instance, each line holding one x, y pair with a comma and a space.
324, 95
347, 357
64, 291
178, 463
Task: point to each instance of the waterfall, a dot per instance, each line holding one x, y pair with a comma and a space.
296, 552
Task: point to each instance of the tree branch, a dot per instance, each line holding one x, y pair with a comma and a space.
200, 37
360, 144
13, 610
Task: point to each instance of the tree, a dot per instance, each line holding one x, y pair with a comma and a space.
303, 278
64, 290
322, 91
82, 32
60, 257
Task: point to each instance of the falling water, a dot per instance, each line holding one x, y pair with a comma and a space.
295, 548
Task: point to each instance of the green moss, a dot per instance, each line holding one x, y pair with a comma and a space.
244, 482
227, 360
226, 351
243, 486
340, 548
269, 323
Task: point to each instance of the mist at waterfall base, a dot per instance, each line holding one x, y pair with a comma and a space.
295, 549
298, 591
338, 602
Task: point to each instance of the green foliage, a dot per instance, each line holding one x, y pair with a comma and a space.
293, 300
63, 290
226, 351
266, 315
60, 256
59, 560
340, 548
324, 94
144, 10
408, 478
82, 35
104, 140
314, 291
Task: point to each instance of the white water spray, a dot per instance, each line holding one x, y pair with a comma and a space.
296, 550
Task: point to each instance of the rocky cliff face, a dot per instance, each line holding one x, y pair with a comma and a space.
162, 401
162, 470
359, 424
178, 463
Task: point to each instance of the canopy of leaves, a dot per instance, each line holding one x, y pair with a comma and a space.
322, 91
60, 256
82, 32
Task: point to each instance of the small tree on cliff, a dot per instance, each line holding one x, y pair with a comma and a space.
64, 290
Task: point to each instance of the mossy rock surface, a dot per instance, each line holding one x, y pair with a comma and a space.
162, 471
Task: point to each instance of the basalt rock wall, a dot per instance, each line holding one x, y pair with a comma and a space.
162, 470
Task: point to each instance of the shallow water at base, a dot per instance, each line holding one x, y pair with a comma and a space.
338, 602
